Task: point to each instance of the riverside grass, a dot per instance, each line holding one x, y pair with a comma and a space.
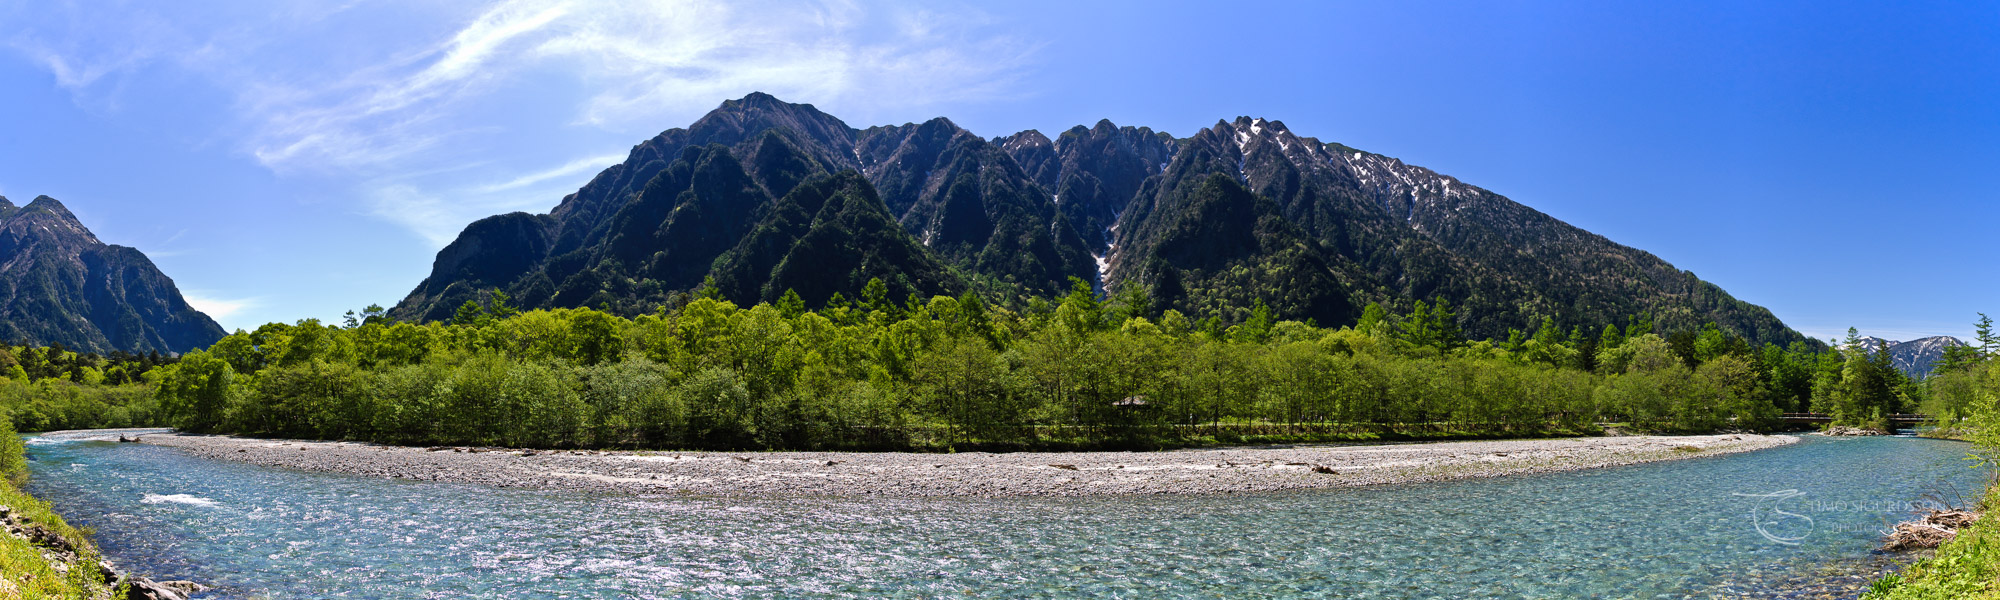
1967, 567
25, 570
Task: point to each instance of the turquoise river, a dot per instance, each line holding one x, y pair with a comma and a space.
1760, 524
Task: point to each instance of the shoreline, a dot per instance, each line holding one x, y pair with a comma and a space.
966, 474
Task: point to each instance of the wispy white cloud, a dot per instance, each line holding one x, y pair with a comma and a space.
402, 118
637, 63
415, 210
219, 308
574, 167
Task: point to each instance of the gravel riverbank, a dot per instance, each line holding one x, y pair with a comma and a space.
1206, 471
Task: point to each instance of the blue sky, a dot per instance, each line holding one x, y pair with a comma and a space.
1828, 160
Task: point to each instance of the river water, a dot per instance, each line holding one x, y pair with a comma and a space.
1728, 526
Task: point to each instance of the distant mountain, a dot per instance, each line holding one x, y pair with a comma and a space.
1915, 358
1243, 212
59, 284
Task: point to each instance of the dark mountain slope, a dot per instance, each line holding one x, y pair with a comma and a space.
1093, 172
1322, 228
830, 234
972, 204
734, 123
1415, 234
59, 284
1213, 247
629, 237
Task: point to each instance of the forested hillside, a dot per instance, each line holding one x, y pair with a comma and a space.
1241, 214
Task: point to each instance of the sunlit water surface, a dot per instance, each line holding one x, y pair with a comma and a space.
1672, 529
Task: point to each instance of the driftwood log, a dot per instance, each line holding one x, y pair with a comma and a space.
1933, 530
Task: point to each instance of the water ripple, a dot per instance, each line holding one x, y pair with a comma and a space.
1671, 529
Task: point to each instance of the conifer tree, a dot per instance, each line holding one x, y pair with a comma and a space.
1989, 345
790, 304
1374, 320
470, 314
1444, 325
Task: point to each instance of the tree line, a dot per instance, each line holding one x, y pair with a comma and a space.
1079, 371
50, 387
1965, 387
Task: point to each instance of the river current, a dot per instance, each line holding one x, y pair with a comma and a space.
1727, 526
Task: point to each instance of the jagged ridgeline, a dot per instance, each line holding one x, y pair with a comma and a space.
766, 196
60, 285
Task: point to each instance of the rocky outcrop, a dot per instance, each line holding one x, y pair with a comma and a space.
65, 555
1845, 431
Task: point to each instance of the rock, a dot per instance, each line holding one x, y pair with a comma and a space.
140, 588
185, 586
1843, 430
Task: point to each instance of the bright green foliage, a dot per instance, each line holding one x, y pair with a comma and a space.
1968, 565
1863, 387
1966, 381
194, 393
950, 372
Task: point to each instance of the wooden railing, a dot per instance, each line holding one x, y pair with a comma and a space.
1823, 418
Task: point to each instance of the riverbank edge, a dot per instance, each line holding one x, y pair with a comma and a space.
1965, 568
43, 556
968, 474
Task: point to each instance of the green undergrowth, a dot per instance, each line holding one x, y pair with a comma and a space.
1967, 567
31, 570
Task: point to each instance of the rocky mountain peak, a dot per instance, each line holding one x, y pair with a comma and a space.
45, 221
1915, 358
1025, 140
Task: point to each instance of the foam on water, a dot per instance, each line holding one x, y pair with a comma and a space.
188, 499
95, 435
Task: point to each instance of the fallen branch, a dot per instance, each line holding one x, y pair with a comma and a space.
1936, 528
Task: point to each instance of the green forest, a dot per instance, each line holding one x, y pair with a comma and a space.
1082, 371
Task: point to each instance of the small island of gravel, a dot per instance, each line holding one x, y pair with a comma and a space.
1206, 471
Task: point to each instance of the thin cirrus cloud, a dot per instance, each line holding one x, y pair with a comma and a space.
428, 130
630, 67
219, 308
568, 170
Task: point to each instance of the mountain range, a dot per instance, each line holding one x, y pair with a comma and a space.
59, 284
766, 196
1915, 358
